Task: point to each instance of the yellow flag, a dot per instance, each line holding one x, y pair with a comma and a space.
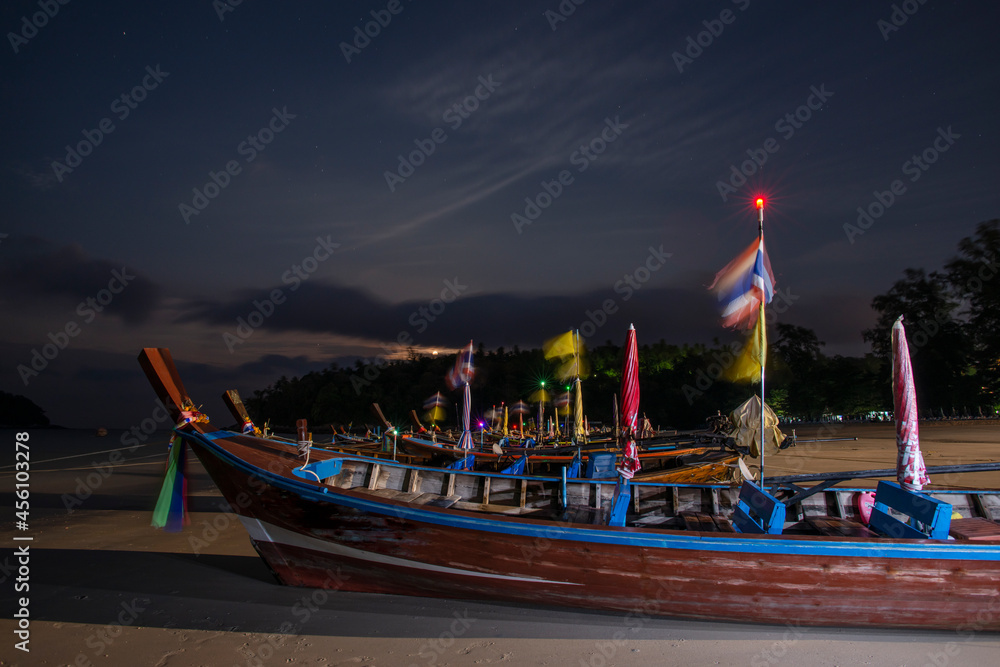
753, 357
568, 348
562, 345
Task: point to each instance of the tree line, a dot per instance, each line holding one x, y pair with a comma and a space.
952, 320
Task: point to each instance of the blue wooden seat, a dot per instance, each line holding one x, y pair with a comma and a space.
319, 470
574, 467
516, 468
933, 514
466, 463
619, 504
601, 465
757, 511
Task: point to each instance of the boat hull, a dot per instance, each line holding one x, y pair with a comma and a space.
315, 535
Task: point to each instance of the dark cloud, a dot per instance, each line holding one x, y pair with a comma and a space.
39, 271
676, 315
85, 387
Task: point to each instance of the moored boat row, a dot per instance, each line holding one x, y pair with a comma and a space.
710, 551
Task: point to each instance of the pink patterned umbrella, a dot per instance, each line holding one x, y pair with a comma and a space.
629, 407
910, 468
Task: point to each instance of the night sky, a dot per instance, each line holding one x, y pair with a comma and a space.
496, 171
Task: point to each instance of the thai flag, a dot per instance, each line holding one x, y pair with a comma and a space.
435, 401
743, 284
464, 370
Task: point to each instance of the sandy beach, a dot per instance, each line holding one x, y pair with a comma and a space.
107, 589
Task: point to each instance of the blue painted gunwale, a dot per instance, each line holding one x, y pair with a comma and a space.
794, 545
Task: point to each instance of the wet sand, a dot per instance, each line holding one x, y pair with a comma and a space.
106, 589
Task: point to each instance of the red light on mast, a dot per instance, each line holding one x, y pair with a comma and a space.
760, 202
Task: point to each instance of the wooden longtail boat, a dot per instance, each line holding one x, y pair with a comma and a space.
360, 524
691, 465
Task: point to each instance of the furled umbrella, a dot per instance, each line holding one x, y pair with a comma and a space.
541, 396
629, 407
461, 375
910, 468
579, 429
520, 409
563, 400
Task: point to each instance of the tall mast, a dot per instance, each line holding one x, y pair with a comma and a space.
763, 323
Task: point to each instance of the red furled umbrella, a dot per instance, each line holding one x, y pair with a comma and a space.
910, 468
629, 407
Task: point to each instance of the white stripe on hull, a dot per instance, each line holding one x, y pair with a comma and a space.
261, 531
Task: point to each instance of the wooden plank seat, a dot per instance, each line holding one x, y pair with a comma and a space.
487, 507
975, 528
705, 523
436, 500
656, 520
931, 516
403, 496
833, 526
